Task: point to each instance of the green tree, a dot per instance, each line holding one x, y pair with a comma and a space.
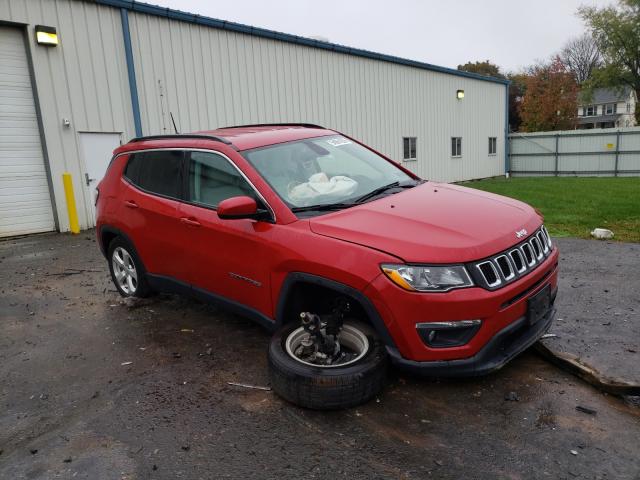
517, 89
616, 30
550, 100
485, 68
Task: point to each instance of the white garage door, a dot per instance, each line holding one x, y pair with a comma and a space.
25, 203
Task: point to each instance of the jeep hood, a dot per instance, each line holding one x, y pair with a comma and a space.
432, 223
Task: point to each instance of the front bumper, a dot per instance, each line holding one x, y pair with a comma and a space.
501, 311
504, 346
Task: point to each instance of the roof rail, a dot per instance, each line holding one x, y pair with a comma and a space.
306, 125
180, 136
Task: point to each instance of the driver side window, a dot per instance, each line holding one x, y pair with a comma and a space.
213, 179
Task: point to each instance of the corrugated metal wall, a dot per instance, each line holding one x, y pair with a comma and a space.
84, 79
592, 152
209, 78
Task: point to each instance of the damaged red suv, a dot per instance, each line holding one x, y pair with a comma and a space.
348, 257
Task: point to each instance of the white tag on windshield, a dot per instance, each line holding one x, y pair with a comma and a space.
338, 142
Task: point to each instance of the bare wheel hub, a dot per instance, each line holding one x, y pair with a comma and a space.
351, 345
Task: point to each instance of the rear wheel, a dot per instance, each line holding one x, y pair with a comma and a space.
127, 272
355, 379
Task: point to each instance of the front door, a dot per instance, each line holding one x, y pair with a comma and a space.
97, 150
229, 258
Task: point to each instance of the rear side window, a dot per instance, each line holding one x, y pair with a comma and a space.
157, 172
213, 179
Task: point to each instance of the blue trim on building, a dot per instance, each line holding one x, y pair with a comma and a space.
131, 69
507, 159
141, 7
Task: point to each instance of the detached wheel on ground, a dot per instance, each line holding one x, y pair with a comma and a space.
127, 271
357, 378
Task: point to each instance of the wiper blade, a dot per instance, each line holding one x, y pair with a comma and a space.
322, 207
384, 188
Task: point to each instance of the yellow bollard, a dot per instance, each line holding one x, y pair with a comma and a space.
71, 203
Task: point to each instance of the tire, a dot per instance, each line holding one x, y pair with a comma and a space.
323, 388
124, 251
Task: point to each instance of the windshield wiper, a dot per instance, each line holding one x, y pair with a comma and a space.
378, 191
322, 207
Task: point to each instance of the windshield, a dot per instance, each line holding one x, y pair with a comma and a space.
324, 171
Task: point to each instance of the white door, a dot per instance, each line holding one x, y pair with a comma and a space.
97, 150
25, 200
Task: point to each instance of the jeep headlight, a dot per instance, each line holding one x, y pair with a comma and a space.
424, 278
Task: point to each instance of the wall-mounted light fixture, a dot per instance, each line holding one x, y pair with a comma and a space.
46, 35
460, 94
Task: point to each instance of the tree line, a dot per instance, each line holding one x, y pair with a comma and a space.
544, 96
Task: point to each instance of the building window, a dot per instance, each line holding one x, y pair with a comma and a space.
493, 144
628, 107
409, 148
591, 111
456, 146
610, 109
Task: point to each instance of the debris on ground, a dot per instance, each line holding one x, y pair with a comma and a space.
67, 460
574, 452
549, 335
587, 410
187, 330
512, 397
246, 385
602, 233
177, 355
124, 364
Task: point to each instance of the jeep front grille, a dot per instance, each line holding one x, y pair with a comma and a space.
506, 267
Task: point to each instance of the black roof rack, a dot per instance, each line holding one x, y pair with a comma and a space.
180, 136
306, 125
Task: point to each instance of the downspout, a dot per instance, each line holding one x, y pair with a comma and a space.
507, 165
133, 88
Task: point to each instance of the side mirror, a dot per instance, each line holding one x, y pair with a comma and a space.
237, 207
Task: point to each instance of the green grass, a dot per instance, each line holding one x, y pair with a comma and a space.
573, 206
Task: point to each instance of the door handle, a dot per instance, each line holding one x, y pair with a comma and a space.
130, 204
190, 221
87, 179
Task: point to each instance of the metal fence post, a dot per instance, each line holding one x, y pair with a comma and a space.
615, 170
557, 141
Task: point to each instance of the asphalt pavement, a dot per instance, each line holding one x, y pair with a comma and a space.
92, 386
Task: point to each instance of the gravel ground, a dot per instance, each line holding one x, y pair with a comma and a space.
95, 387
599, 306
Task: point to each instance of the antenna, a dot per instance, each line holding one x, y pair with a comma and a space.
174, 123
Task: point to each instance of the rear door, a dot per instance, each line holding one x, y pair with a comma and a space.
230, 258
154, 186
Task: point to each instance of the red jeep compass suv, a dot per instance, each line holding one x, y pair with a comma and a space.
350, 258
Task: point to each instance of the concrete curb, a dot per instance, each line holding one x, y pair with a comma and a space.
575, 366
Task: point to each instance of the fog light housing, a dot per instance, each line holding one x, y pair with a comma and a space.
448, 334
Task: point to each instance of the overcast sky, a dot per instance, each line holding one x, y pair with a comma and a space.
511, 33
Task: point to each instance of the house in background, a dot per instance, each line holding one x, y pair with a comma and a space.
608, 108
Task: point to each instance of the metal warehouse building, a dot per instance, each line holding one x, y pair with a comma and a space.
121, 68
